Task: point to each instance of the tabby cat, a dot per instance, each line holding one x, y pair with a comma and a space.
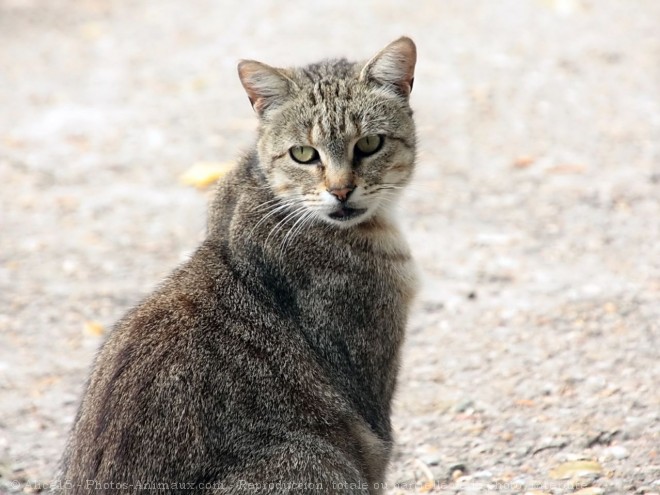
268, 361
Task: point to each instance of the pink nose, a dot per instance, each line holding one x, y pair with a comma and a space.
342, 193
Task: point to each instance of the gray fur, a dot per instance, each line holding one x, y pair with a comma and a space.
270, 356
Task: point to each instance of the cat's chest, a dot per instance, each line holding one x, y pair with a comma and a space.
360, 288
327, 282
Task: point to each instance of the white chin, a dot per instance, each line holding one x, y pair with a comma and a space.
348, 217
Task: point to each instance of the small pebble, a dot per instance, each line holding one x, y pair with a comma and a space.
464, 479
464, 405
456, 474
429, 455
616, 452
519, 481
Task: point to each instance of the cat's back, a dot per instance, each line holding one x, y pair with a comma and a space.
182, 369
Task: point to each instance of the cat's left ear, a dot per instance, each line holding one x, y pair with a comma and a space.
393, 67
265, 86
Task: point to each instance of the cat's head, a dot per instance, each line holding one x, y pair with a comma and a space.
336, 139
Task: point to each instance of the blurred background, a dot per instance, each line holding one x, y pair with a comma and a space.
531, 363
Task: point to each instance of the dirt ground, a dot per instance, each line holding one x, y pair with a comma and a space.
532, 358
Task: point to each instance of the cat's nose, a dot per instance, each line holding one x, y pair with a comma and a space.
342, 193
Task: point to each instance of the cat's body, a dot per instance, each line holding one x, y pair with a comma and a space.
268, 361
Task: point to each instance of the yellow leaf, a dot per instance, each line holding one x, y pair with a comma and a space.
575, 468
203, 174
93, 328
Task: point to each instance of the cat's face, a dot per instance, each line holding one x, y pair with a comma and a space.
336, 140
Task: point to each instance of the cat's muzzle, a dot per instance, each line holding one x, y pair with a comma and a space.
344, 213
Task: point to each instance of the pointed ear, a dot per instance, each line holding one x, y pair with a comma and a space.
265, 86
393, 67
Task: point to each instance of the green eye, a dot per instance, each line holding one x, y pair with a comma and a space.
368, 145
304, 154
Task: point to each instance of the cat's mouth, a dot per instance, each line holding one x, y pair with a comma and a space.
345, 213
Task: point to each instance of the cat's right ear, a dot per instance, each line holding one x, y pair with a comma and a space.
393, 67
265, 86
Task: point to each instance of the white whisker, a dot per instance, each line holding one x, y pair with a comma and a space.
293, 231
274, 211
279, 225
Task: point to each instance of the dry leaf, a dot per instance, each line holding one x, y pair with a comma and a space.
572, 469
203, 174
523, 161
610, 308
93, 328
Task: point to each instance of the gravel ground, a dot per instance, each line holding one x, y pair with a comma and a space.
531, 363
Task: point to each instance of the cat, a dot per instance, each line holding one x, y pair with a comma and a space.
268, 361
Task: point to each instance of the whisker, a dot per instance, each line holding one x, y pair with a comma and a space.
279, 225
266, 204
300, 223
299, 215
290, 199
275, 210
388, 201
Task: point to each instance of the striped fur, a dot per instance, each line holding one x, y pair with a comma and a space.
267, 363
